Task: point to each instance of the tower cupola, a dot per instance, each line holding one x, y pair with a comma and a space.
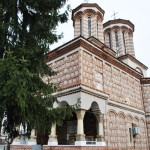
118, 35
88, 21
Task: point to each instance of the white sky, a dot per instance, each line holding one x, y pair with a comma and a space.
137, 11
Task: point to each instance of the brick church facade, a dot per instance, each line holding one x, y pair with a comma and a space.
99, 67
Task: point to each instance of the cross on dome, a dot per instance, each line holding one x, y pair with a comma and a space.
114, 14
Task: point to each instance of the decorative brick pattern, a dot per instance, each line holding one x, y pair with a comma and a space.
104, 77
67, 69
146, 98
85, 68
117, 132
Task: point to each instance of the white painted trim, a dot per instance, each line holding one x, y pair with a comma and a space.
82, 88
125, 107
54, 143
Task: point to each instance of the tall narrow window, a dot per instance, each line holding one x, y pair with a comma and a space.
97, 28
89, 26
130, 135
109, 38
80, 26
117, 42
124, 43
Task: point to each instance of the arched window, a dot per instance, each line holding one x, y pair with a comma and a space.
109, 38
80, 26
124, 43
89, 26
117, 42
97, 28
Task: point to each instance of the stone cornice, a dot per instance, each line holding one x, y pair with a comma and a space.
89, 46
117, 21
83, 89
145, 80
87, 5
133, 59
65, 48
125, 107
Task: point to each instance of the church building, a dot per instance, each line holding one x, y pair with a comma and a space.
99, 68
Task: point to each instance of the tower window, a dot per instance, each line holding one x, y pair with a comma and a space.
97, 28
109, 38
124, 43
89, 26
117, 42
80, 26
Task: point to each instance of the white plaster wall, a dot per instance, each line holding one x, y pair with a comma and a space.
71, 99
86, 101
132, 64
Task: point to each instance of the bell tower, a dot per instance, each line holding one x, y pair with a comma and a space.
118, 35
88, 21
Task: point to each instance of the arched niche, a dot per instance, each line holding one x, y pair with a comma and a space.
66, 133
91, 120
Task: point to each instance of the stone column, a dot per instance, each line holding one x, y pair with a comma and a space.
100, 130
80, 136
32, 140
53, 137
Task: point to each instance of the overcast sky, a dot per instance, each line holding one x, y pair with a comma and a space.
137, 11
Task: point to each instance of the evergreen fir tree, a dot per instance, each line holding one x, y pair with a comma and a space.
27, 29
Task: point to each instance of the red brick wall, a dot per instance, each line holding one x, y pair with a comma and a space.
20, 147
75, 148
23, 147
